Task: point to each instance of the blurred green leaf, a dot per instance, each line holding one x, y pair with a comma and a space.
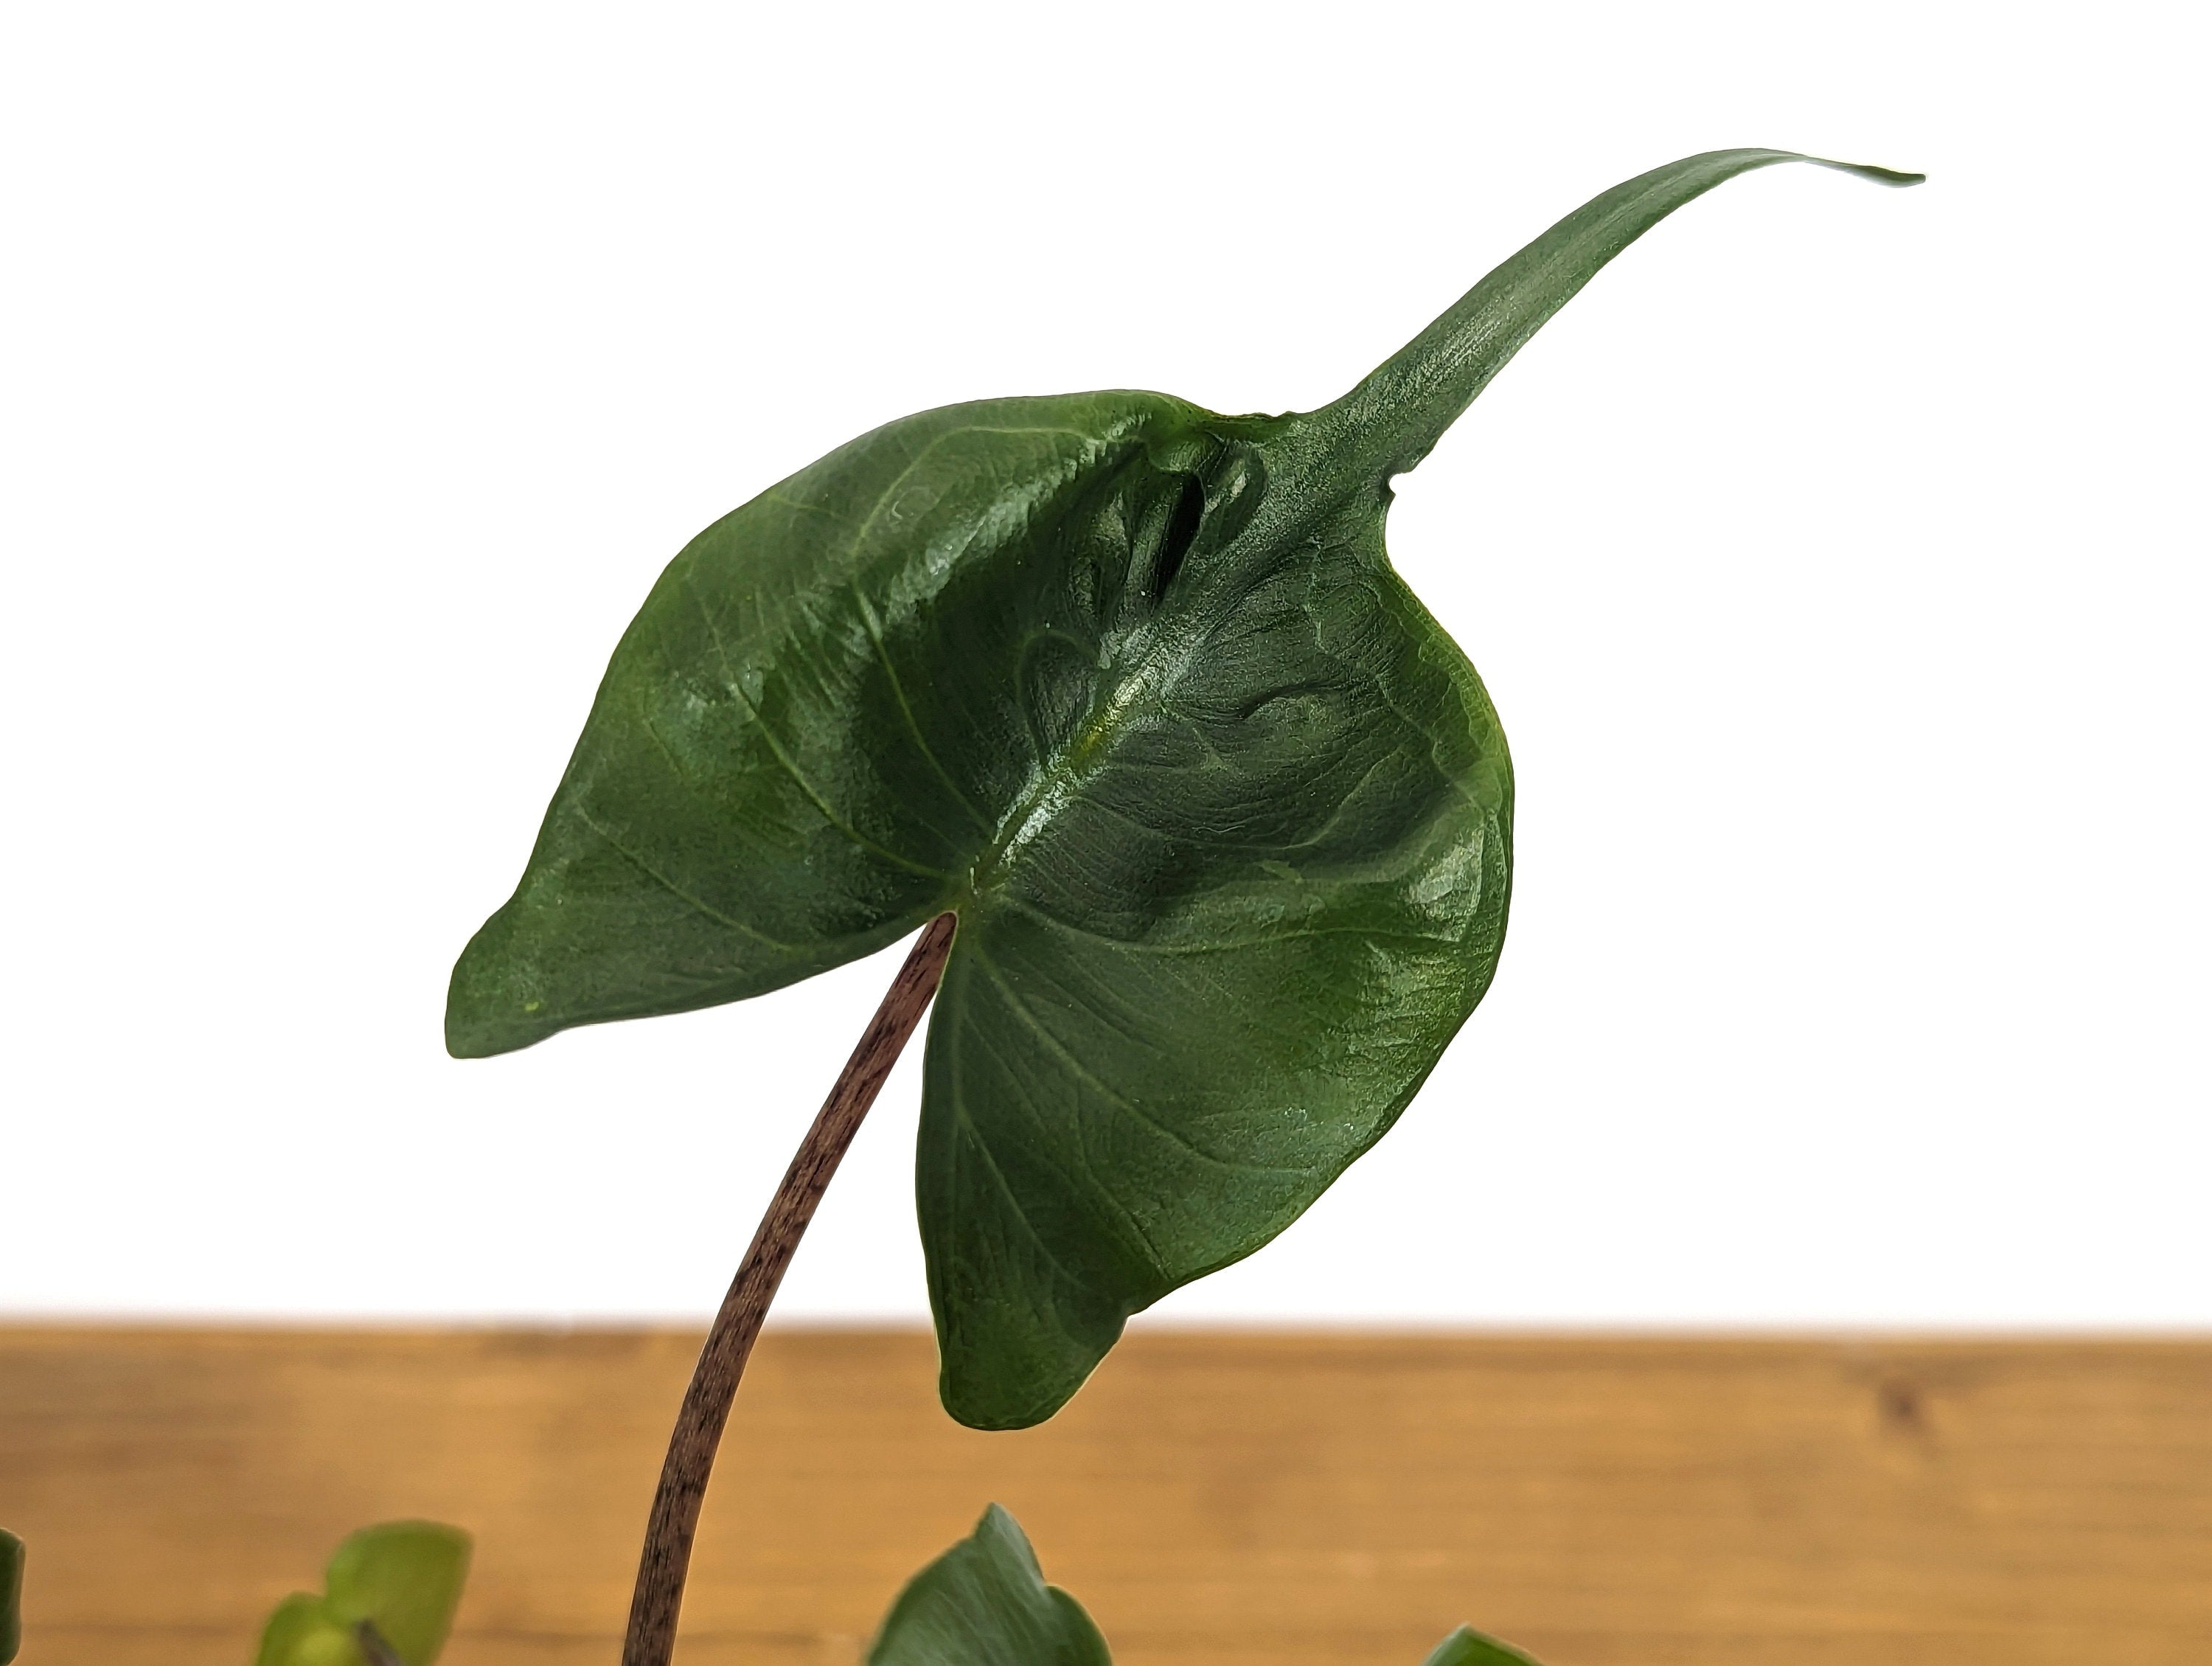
985, 1602
11, 1595
302, 1633
404, 1578
1469, 1647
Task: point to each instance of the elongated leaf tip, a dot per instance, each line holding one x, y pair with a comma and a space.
1388, 422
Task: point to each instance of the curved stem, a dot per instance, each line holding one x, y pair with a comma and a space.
652, 1637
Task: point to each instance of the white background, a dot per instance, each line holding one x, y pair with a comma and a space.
1837, 563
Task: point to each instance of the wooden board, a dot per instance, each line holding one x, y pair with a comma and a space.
1225, 1498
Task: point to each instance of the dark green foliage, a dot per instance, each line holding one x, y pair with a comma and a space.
1226, 817
1469, 1647
11, 1595
403, 1578
985, 1602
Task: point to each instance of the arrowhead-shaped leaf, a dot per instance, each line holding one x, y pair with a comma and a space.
985, 1602
403, 1578
1226, 815
11, 1595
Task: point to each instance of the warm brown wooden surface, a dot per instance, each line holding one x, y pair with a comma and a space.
1218, 1499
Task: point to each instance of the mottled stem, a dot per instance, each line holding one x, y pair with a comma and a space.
652, 1637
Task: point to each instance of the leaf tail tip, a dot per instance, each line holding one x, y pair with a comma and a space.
1881, 176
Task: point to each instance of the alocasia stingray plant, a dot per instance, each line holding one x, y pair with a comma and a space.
1209, 822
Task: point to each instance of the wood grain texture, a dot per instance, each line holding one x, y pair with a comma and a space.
1230, 1499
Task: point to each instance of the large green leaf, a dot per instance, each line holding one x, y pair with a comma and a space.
402, 1578
985, 1602
11, 1595
1226, 815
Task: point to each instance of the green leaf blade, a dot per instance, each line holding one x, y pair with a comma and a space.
812, 726
1212, 982
1132, 687
302, 1633
1469, 1647
404, 1578
985, 1602
1389, 421
11, 1595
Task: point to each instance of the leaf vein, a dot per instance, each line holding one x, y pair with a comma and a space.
1036, 1027
775, 750
982, 1149
898, 691
674, 889
1381, 933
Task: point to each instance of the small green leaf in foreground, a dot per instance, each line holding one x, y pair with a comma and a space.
1469, 1647
11, 1595
402, 1578
985, 1602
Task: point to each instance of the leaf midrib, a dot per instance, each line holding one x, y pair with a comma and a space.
1166, 645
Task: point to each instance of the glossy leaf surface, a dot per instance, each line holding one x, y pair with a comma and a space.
11, 1595
985, 1602
404, 1578
1225, 815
